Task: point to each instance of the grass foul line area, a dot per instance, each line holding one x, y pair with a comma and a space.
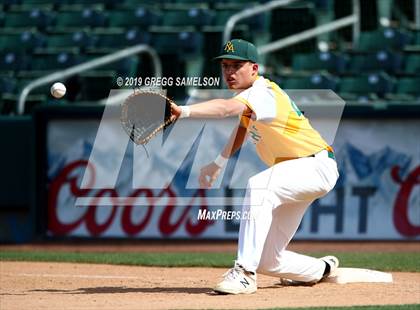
408, 261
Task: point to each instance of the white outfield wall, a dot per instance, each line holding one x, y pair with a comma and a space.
377, 196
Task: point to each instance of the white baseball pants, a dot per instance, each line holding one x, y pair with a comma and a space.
276, 200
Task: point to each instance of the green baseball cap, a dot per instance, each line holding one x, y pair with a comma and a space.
239, 49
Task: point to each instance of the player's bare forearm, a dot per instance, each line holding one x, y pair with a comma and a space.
210, 172
235, 142
217, 108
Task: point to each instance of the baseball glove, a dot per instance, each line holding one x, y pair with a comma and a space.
144, 114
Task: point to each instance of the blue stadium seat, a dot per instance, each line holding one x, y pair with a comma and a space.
7, 83
408, 85
406, 89
307, 81
46, 61
383, 39
412, 63
169, 40
13, 61
16, 40
189, 16
134, 3
63, 38
223, 11
35, 17
93, 2
140, 17
67, 39
80, 18
332, 62
360, 62
124, 67
37, 3
190, 42
23, 78
116, 38
362, 86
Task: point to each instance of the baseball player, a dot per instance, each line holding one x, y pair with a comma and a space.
301, 169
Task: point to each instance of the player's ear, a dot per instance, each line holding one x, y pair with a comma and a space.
254, 68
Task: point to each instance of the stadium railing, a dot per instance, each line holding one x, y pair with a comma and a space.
59, 75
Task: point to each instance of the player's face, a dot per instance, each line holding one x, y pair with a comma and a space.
239, 74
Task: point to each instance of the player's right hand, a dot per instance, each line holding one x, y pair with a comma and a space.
175, 111
208, 174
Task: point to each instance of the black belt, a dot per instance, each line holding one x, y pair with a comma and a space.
280, 159
330, 154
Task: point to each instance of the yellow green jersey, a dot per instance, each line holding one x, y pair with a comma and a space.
277, 127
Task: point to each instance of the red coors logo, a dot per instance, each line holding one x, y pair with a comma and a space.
401, 220
167, 224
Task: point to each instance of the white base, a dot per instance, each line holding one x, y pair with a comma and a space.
354, 275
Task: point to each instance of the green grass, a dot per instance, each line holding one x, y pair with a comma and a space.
380, 261
137, 259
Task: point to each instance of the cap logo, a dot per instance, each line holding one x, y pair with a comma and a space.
229, 47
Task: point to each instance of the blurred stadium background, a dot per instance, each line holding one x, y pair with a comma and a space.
373, 64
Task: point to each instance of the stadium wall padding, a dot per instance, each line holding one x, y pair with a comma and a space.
17, 166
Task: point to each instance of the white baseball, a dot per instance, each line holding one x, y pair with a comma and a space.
58, 90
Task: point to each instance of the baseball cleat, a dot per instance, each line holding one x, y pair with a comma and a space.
237, 281
332, 262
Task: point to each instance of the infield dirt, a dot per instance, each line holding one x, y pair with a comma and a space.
35, 285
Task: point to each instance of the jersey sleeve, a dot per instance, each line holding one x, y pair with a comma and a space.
260, 99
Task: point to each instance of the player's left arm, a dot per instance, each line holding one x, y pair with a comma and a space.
210, 172
216, 108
